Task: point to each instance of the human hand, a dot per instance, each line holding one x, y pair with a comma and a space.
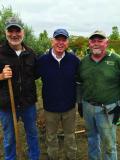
7, 72
116, 112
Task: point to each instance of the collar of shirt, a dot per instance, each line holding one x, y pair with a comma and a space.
58, 59
18, 52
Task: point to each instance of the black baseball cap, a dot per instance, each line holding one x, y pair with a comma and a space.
13, 21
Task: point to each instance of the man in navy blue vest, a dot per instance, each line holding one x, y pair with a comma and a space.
58, 69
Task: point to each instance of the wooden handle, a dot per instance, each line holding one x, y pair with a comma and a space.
18, 150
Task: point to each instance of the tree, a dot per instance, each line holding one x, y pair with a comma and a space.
5, 13
43, 42
29, 38
78, 44
114, 44
115, 34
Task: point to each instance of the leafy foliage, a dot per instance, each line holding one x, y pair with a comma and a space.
115, 34
5, 13
78, 44
39, 45
43, 42
114, 44
29, 38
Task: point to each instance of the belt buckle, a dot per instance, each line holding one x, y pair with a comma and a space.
104, 109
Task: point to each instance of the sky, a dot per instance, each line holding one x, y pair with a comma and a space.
78, 17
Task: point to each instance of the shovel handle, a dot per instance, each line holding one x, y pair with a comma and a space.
14, 118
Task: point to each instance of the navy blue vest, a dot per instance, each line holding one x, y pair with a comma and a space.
59, 81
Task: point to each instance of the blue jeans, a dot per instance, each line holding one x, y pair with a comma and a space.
28, 116
100, 131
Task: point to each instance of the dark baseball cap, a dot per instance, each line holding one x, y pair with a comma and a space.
62, 32
97, 33
13, 21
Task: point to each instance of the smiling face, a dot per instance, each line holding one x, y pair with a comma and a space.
98, 45
15, 36
59, 45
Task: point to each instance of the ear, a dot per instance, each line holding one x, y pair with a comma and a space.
23, 32
89, 42
107, 42
52, 42
5, 31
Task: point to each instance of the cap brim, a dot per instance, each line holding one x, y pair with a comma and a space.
16, 25
61, 34
97, 35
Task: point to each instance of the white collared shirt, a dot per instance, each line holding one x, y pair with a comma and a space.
18, 52
58, 59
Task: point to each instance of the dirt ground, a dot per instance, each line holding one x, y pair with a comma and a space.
81, 139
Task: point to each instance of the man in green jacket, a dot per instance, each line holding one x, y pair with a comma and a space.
99, 75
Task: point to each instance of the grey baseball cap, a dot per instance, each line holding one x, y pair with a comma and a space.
13, 21
62, 32
98, 34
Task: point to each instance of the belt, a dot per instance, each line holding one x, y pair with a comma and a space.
99, 104
95, 103
105, 107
